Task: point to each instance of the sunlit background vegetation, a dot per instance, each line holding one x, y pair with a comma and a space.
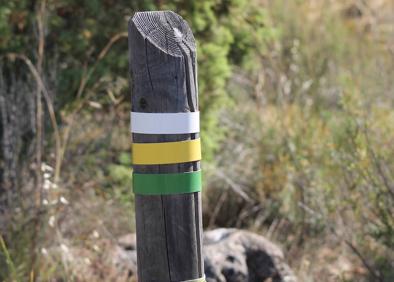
297, 101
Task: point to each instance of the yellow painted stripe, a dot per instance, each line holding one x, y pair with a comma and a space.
166, 153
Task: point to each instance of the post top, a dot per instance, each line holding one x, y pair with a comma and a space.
164, 29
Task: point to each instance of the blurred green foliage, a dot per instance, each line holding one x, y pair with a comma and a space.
228, 33
119, 180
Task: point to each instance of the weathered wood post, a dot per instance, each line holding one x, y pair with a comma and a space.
166, 177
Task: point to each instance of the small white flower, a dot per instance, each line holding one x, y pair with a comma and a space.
51, 221
44, 251
96, 248
64, 248
307, 84
95, 234
54, 186
45, 202
47, 175
87, 261
64, 200
47, 184
45, 167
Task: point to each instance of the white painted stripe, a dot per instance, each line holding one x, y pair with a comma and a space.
202, 279
165, 123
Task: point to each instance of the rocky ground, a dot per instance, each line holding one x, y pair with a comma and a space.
230, 255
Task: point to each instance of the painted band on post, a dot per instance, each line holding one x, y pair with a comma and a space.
166, 152
167, 183
165, 123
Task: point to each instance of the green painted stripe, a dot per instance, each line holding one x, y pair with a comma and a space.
167, 184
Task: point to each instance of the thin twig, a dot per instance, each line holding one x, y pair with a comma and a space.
82, 86
46, 96
366, 264
85, 78
40, 14
234, 186
217, 208
10, 263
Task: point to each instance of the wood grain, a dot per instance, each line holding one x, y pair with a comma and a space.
163, 71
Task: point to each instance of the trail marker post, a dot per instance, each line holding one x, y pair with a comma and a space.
166, 148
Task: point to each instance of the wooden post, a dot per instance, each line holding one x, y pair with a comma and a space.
163, 69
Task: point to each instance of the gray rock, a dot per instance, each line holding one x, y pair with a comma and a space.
230, 255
